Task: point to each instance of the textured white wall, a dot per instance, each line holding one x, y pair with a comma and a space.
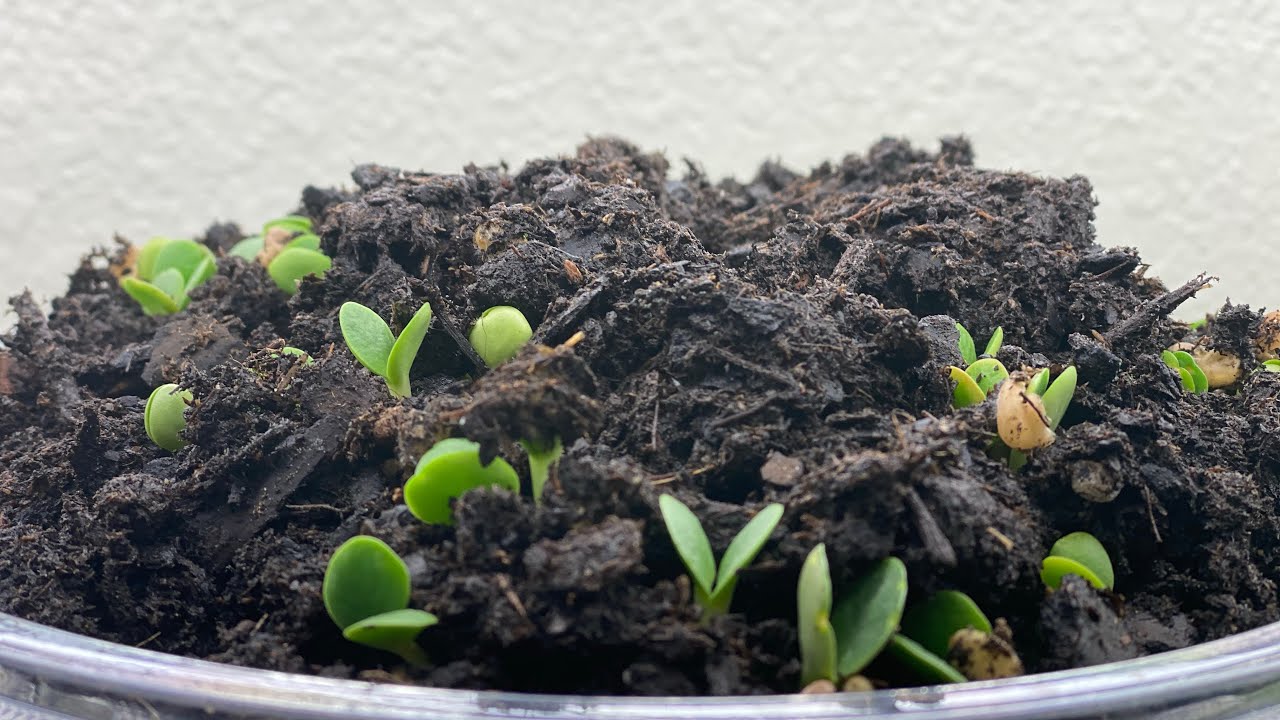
147, 118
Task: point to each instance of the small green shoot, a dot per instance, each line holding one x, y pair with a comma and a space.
867, 616
295, 263
1078, 554
165, 271
366, 593
934, 621
499, 333
981, 374
969, 351
1198, 324
714, 590
299, 258
164, 418
813, 610
1029, 411
371, 341
542, 456
295, 352
1271, 366
921, 662
1193, 378
450, 468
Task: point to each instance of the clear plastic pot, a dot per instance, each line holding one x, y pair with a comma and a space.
46, 673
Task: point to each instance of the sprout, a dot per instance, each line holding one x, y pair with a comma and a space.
1078, 554
371, 341
1193, 378
969, 352
921, 662
289, 263
1272, 365
499, 333
1029, 410
450, 468
164, 273
973, 383
542, 456
714, 590
933, 622
295, 263
295, 352
813, 610
164, 418
366, 592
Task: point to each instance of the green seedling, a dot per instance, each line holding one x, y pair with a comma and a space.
1078, 554
450, 468
165, 271
385, 355
295, 352
969, 351
1193, 378
921, 662
299, 258
1198, 324
366, 592
934, 621
164, 417
1029, 411
542, 456
712, 589
975, 382
1271, 366
499, 333
840, 643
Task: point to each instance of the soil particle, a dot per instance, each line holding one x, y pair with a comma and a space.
1080, 628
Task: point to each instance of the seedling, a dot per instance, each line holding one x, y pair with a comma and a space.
164, 273
542, 456
164, 419
1029, 410
974, 383
499, 333
295, 352
835, 645
969, 351
366, 592
934, 621
1193, 378
1271, 366
1078, 554
372, 342
922, 663
298, 258
450, 468
713, 590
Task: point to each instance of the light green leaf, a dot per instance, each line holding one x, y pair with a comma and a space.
925, 665
813, 611
690, 541
164, 417
993, 345
201, 274
145, 263
540, 461
933, 622
1271, 366
153, 300
1199, 381
968, 351
405, 350
1058, 397
1188, 380
292, 264
396, 631
247, 248
367, 335
185, 256
365, 577
306, 241
1170, 359
447, 471
741, 551
1039, 383
1086, 550
987, 373
868, 614
967, 391
291, 223
1055, 567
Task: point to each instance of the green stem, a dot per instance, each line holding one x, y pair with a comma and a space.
541, 459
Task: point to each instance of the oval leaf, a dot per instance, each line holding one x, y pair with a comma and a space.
449, 469
1086, 550
396, 631
247, 248
1054, 568
365, 578
968, 351
987, 373
367, 335
164, 417
690, 541
993, 345
144, 264
1039, 382
289, 223
923, 664
813, 610
741, 551
185, 256
1058, 397
967, 391
868, 614
1169, 359
152, 299
292, 264
306, 241
405, 350
1199, 381
201, 274
934, 621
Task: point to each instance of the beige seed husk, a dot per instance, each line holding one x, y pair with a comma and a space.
1221, 369
1020, 416
1268, 341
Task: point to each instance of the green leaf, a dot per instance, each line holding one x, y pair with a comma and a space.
1170, 359
967, 391
1271, 366
923, 664
1188, 380
1199, 381
185, 256
933, 622
306, 241
1189, 369
292, 264
1055, 567
449, 469
396, 631
993, 345
247, 248
1039, 383
741, 551
405, 350
813, 611
201, 274
968, 351
1086, 550
868, 614
1017, 459
291, 223
164, 417
540, 461
1058, 397
690, 541
153, 300
365, 578
145, 263
499, 333
987, 373
1198, 324
367, 335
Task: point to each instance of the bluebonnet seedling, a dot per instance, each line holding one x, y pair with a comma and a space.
372, 342
499, 333
1272, 365
980, 374
933, 622
164, 417
366, 593
165, 271
297, 259
450, 468
813, 621
969, 351
713, 589
1078, 554
1030, 409
1193, 378
542, 456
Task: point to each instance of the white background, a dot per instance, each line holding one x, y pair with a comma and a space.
148, 118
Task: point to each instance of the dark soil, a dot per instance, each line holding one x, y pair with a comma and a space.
781, 340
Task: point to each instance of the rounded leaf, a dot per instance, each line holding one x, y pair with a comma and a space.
499, 334
185, 256
365, 578
152, 299
933, 622
292, 264
367, 336
306, 241
1086, 550
288, 223
987, 373
395, 631
164, 417
247, 248
690, 541
1055, 567
144, 264
967, 391
449, 469
920, 662
867, 615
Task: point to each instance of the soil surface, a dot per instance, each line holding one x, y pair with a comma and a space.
783, 340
